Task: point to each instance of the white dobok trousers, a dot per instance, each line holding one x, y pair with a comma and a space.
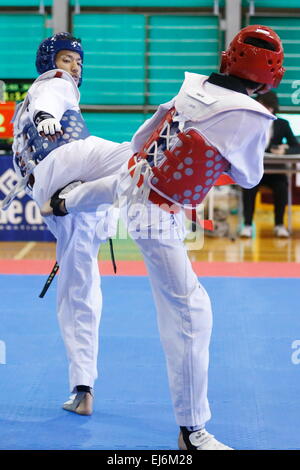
183, 306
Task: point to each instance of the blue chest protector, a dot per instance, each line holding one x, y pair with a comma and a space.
74, 128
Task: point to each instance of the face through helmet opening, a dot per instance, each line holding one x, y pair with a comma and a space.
49, 48
255, 54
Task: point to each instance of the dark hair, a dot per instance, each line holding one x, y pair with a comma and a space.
269, 100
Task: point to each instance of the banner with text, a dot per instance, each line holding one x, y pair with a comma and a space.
22, 221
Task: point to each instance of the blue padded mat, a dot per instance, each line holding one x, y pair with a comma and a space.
254, 386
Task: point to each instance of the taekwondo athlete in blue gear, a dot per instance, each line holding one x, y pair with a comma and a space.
52, 147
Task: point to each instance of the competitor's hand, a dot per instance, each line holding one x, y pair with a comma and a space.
50, 129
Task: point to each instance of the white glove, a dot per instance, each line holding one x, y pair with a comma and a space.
49, 126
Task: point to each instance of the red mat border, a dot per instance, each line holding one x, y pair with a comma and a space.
137, 268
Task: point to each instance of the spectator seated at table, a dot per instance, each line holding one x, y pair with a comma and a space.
281, 141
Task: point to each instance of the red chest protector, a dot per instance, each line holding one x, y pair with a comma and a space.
184, 166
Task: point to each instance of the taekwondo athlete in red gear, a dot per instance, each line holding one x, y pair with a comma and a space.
218, 116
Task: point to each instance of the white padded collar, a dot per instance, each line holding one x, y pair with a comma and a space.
196, 104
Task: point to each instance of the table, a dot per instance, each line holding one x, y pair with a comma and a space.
290, 162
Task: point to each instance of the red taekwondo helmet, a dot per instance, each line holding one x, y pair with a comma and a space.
256, 54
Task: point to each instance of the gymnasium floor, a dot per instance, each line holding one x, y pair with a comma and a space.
254, 383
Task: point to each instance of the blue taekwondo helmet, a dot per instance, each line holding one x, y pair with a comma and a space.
47, 50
